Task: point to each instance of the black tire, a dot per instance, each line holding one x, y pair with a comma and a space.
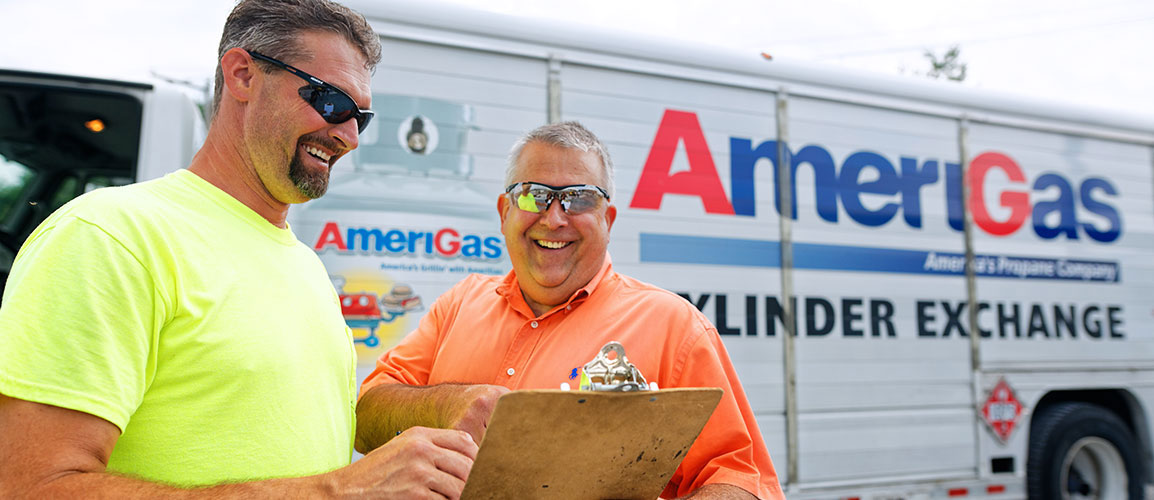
1091, 431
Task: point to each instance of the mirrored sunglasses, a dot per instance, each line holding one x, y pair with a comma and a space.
332, 103
575, 199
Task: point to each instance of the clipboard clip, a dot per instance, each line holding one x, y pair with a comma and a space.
616, 375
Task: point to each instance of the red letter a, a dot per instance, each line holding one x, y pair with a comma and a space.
701, 179
330, 235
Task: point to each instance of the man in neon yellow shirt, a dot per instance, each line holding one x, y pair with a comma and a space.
201, 351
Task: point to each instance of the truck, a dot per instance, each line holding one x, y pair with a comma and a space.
948, 293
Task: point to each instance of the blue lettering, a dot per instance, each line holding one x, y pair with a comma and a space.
955, 211
394, 241
1094, 206
493, 247
414, 237
472, 246
825, 178
912, 180
364, 235
1064, 206
742, 158
851, 188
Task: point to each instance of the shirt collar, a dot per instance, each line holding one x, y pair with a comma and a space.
511, 291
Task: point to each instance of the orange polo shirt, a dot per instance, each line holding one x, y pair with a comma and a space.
482, 332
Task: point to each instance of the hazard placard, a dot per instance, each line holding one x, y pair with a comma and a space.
1002, 410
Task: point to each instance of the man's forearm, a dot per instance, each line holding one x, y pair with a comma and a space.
106, 485
420, 463
719, 492
387, 409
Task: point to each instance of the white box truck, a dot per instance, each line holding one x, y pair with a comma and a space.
879, 364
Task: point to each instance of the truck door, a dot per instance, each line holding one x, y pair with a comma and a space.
59, 138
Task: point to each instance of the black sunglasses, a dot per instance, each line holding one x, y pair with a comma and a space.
333, 104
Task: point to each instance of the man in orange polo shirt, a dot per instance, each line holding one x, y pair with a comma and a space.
534, 327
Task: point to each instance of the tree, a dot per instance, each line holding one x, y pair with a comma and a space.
948, 66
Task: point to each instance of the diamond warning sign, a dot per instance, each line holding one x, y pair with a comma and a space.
1002, 410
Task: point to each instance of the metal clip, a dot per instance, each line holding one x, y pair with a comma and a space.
604, 374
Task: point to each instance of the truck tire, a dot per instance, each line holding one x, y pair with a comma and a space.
1082, 450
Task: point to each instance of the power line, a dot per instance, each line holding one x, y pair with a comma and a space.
1033, 17
980, 40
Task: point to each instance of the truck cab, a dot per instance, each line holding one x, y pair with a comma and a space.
62, 136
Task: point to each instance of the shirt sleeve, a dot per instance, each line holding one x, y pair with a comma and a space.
730, 449
411, 361
79, 323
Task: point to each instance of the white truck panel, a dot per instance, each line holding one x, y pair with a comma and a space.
898, 442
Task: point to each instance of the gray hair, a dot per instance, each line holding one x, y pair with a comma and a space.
271, 27
569, 135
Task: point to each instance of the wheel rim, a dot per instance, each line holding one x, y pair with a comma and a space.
1093, 469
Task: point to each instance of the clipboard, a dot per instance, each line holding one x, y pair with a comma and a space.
557, 444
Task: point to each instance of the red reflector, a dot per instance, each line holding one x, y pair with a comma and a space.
958, 492
853, 498
995, 488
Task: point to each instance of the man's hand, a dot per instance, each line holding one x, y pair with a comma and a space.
419, 463
470, 408
387, 409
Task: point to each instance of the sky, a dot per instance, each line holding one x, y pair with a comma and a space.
1094, 54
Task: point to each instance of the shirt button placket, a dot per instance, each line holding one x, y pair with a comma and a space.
510, 371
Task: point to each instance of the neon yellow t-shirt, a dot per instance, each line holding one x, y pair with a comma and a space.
211, 338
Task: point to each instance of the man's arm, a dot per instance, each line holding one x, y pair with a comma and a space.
387, 409
719, 492
730, 447
53, 452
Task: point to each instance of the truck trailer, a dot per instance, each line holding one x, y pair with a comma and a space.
927, 290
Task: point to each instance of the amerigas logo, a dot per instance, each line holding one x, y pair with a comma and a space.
445, 242
1062, 217
1055, 206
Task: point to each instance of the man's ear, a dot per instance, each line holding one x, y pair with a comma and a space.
610, 216
502, 207
240, 74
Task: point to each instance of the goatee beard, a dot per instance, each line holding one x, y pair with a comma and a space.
310, 182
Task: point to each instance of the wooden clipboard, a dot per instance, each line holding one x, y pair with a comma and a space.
587, 444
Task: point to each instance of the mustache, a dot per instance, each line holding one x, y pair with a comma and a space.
325, 142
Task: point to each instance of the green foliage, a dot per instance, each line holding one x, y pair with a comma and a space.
948, 66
